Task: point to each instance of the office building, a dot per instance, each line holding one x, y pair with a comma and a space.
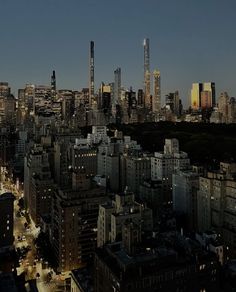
203, 95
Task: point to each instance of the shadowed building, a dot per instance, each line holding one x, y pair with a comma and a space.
6, 220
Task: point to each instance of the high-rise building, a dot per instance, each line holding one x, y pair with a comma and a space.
216, 200
140, 99
173, 102
6, 220
42, 98
74, 224
53, 84
105, 103
195, 96
223, 104
91, 73
68, 104
7, 105
156, 99
232, 110
147, 74
203, 95
135, 170
38, 183
206, 99
164, 164
210, 88
117, 86
185, 184
84, 156
5, 90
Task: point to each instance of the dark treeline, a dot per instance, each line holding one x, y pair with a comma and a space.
205, 143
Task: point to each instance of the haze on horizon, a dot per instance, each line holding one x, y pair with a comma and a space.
190, 41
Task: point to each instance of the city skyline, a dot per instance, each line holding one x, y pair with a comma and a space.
117, 145
186, 43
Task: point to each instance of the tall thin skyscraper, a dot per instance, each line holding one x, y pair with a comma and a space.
117, 86
91, 73
53, 80
53, 84
147, 75
156, 100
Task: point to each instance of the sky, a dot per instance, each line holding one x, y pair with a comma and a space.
190, 41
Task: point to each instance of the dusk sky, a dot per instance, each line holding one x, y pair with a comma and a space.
190, 41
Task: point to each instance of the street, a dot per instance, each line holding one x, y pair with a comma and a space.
34, 268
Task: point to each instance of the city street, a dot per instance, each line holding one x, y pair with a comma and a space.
33, 267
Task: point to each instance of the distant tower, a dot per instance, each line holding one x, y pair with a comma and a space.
91, 73
203, 95
147, 86
156, 100
53, 84
117, 86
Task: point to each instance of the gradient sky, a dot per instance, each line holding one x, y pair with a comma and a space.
190, 41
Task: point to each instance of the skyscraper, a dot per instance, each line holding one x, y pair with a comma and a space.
91, 73
173, 102
147, 86
53, 84
202, 95
156, 100
210, 88
195, 96
117, 86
